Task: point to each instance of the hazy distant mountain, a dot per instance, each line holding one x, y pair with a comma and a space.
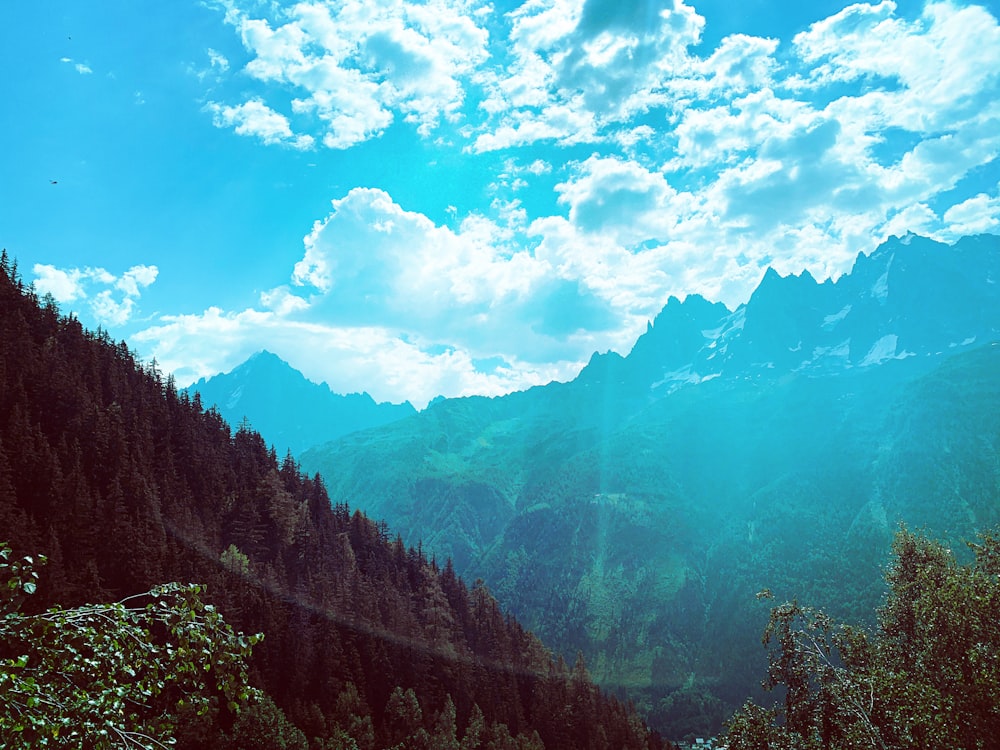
291, 412
634, 512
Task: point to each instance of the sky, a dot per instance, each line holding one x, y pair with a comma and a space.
415, 198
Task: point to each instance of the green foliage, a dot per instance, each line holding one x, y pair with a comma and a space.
403, 716
235, 561
112, 675
264, 726
928, 676
352, 718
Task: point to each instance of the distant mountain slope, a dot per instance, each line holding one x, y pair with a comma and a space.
291, 412
125, 483
634, 512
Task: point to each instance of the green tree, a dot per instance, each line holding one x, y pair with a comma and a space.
445, 731
264, 726
112, 675
352, 719
475, 729
403, 716
928, 676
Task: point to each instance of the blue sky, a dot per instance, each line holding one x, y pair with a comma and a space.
455, 196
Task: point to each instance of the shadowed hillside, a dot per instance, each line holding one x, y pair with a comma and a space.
123, 482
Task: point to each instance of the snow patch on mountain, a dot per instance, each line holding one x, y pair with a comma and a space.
840, 351
234, 398
676, 378
883, 349
880, 290
730, 325
830, 321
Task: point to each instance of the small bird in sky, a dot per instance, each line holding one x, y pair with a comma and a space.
53, 182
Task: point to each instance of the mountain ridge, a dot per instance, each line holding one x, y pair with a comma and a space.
767, 331
304, 413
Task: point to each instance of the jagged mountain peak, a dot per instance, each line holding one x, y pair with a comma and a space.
260, 363
694, 311
911, 296
264, 358
289, 410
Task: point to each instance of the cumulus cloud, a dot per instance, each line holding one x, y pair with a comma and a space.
111, 299
254, 118
217, 60
476, 286
353, 67
620, 198
976, 215
580, 66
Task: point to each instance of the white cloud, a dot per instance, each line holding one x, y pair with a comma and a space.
353, 66
919, 218
136, 277
254, 118
282, 301
848, 45
371, 260
349, 359
922, 75
81, 68
112, 300
110, 311
977, 215
578, 67
217, 60
622, 199
63, 285
740, 63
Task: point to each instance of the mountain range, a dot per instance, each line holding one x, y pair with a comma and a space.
633, 513
291, 412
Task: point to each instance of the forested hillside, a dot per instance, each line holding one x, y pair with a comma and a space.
123, 482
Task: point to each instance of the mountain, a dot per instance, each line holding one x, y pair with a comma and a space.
912, 297
633, 513
291, 412
123, 483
